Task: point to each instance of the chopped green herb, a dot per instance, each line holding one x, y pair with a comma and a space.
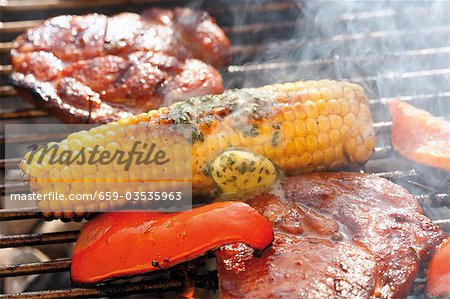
232, 179
250, 131
230, 161
275, 137
197, 136
243, 168
206, 169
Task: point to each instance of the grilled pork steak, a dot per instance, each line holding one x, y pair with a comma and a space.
97, 69
343, 235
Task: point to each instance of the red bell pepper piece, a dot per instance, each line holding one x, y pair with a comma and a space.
128, 243
438, 277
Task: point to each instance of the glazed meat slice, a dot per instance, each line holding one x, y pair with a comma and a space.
343, 235
97, 69
297, 267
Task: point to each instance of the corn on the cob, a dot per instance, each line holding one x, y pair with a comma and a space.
301, 127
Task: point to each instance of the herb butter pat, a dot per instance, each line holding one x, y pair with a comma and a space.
237, 171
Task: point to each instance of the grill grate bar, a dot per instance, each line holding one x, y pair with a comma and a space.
31, 138
149, 283
5, 69
19, 214
49, 4
250, 28
126, 289
7, 91
382, 126
5, 46
295, 44
390, 175
35, 268
408, 98
382, 13
25, 113
258, 7
381, 152
329, 61
18, 26
403, 75
438, 200
444, 224
38, 239
13, 188
9, 163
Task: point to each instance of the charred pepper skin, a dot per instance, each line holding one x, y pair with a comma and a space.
129, 243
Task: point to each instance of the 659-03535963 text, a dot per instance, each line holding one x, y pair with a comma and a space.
101, 195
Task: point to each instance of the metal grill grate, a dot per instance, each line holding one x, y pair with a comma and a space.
257, 31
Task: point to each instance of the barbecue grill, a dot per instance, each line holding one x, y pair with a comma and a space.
379, 47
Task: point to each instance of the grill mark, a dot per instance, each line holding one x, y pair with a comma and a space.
123, 74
